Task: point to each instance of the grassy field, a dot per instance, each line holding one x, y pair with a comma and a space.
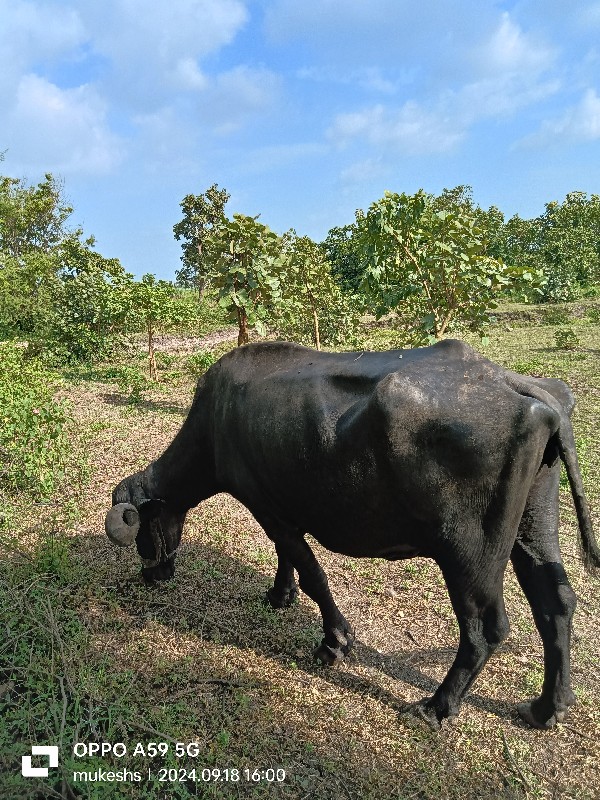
89, 654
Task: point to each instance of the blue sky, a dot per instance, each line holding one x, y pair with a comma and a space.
304, 112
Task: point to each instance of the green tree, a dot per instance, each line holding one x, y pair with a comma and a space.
248, 262
311, 298
563, 242
90, 301
521, 240
56, 291
431, 263
570, 245
490, 223
32, 225
25, 294
159, 305
202, 214
32, 218
343, 250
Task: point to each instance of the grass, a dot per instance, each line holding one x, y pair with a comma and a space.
88, 654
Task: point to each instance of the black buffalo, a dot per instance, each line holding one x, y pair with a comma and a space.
433, 452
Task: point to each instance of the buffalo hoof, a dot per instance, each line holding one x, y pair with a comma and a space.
329, 654
531, 713
424, 711
283, 599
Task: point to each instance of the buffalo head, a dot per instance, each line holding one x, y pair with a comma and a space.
149, 522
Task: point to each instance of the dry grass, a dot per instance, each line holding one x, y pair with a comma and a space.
203, 659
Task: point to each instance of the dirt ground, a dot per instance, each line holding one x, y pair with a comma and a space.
202, 660
244, 675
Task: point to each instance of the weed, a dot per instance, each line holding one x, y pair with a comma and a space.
165, 360
197, 364
133, 382
533, 680
52, 557
554, 315
207, 570
528, 367
566, 339
593, 314
222, 740
34, 446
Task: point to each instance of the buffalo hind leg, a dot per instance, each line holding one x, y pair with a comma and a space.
284, 591
539, 570
292, 549
479, 607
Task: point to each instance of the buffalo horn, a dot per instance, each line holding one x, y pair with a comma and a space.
122, 524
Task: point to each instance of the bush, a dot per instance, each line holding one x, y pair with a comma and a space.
592, 292
164, 360
566, 339
197, 364
34, 448
133, 382
593, 314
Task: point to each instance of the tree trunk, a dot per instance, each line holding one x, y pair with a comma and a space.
243, 337
316, 329
151, 355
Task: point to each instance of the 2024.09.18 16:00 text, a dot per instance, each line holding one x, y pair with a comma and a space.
218, 775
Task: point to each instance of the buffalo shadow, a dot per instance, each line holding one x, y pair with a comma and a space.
225, 608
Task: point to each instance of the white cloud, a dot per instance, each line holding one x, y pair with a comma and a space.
187, 75
510, 72
369, 78
580, 123
508, 50
237, 95
36, 30
363, 171
71, 69
33, 34
411, 128
155, 50
60, 130
496, 97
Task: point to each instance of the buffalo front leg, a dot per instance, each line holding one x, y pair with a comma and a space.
538, 566
479, 607
284, 590
292, 549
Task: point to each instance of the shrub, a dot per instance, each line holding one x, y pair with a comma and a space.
34, 448
165, 360
593, 314
566, 339
133, 382
197, 364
